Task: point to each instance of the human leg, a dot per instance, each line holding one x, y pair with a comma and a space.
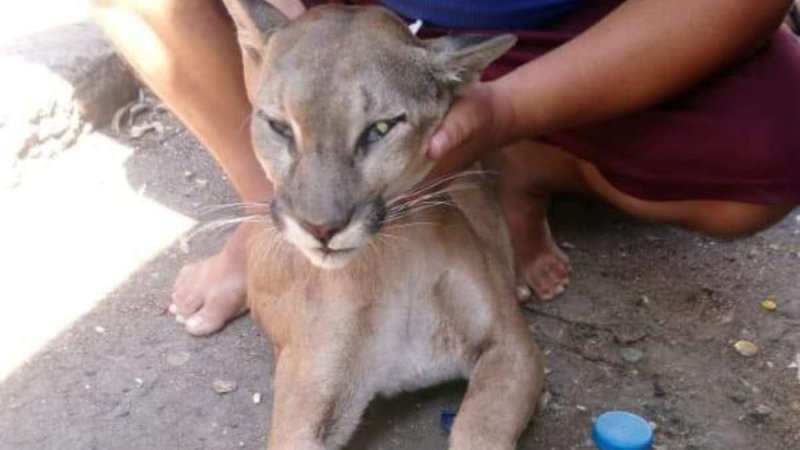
718, 218
531, 172
203, 85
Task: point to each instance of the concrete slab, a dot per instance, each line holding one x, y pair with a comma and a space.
30, 17
59, 76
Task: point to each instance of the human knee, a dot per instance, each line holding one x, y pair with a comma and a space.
147, 8
537, 168
127, 4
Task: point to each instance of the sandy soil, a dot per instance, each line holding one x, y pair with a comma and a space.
647, 325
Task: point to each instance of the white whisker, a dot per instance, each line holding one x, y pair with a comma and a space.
410, 224
208, 209
220, 224
438, 182
405, 212
245, 122
384, 234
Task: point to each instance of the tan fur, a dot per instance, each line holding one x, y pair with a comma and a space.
426, 298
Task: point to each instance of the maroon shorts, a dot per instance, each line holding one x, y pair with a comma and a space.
735, 136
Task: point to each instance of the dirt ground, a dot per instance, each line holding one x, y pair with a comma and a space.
647, 326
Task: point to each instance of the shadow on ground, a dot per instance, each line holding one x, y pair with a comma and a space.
647, 325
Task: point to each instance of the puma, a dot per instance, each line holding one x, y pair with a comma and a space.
364, 284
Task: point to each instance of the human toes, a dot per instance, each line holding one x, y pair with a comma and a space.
185, 302
186, 297
203, 324
213, 316
524, 292
547, 277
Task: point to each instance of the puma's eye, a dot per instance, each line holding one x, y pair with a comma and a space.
281, 128
379, 130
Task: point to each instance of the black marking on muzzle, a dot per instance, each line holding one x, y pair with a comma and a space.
275, 215
377, 216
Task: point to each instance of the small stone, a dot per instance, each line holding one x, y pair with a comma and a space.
568, 245
746, 348
740, 395
178, 359
544, 400
763, 409
631, 354
257, 397
139, 381
628, 334
99, 330
224, 386
761, 413
523, 292
188, 175
769, 304
183, 245
774, 247
795, 365
201, 182
795, 406
658, 389
581, 408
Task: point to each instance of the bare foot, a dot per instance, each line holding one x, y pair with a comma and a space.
210, 293
541, 266
530, 172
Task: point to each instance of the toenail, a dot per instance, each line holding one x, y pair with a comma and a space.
172, 308
194, 322
559, 290
180, 319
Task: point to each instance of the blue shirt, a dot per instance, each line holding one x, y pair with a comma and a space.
488, 14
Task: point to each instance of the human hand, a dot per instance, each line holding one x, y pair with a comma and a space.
478, 122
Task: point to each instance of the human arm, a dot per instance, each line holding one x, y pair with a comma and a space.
640, 54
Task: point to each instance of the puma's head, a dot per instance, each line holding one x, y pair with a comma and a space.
345, 101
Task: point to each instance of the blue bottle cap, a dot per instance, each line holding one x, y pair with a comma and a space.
447, 418
618, 430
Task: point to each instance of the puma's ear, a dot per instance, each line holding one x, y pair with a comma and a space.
255, 21
460, 59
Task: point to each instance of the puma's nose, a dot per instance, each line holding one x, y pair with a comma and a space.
324, 232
